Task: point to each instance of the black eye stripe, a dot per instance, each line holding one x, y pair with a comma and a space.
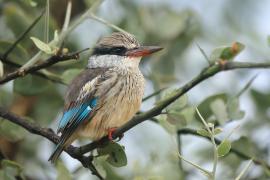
110, 50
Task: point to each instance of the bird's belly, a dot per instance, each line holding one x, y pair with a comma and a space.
115, 112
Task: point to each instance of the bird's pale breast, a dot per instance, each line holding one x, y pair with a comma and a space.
121, 98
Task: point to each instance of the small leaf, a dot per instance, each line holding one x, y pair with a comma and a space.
210, 125
116, 154
268, 40
203, 132
70, 74
162, 120
100, 164
226, 52
11, 131
30, 85
204, 106
233, 109
224, 148
188, 114
245, 145
1, 69
32, 3
219, 109
42, 45
217, 131
178, 104
176, 118
62, 171
18, 55
11, 169
230, 52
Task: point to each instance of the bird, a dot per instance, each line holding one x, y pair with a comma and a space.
106, 94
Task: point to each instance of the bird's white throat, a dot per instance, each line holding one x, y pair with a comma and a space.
106, 61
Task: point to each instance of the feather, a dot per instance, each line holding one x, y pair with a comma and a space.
70, 122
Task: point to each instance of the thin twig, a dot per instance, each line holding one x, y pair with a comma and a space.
204, 54
211, 132
47, 22
96, 18
50, 61
242, 155
67, 17
195, 165
153, 94
244, 170
22, 36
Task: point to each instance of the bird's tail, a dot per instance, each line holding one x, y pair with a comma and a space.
55, 155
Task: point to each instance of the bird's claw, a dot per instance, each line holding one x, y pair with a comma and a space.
110, 135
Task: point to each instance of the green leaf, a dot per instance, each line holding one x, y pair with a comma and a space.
16, 18
99, 164
11, 131
178, 104
162, 120
224, 148
176, 118
30, 85
226, 52
262, 100
203, 132
70, 74
268, 40
42, 45
11, 169
19, 55
188, 114
6, 97
205, 109
233, 109
217, 131
116, 154
32, 3
62, 171
219, 109
245, 145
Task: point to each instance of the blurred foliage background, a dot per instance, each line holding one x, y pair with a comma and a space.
151, 148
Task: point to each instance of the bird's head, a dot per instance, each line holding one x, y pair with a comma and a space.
119, 48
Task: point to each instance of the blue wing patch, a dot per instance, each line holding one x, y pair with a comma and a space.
76, 114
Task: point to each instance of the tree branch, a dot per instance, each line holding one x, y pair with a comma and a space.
37, 73
48, 133
32, 69
156, 110
77, 152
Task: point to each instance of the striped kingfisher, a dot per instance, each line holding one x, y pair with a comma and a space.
107, 93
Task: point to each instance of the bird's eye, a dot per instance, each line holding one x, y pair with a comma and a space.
119, 50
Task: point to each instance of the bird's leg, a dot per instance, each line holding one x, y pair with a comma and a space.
110, 134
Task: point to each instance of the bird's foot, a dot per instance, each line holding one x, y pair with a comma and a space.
110, 134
